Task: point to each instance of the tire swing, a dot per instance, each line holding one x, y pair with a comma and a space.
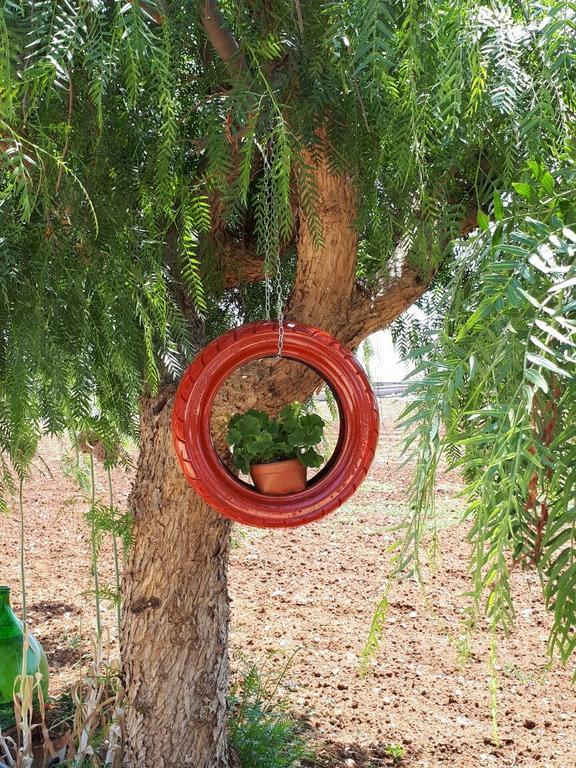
357, 439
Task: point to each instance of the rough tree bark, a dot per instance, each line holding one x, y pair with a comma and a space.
176, 604
176, 612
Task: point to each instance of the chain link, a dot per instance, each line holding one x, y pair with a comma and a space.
272, 266
267, 192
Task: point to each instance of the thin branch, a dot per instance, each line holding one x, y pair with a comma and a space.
68, 129
221, 37
163, 5
299, 16
156, 11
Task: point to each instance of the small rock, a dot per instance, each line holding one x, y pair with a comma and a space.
300, 600
462, 721
530, 724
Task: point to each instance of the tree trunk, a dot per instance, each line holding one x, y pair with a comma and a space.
176, 604
175, 613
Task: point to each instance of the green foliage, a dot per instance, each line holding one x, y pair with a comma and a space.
102, 518
195, 220
105, 519
130, 161
256, 438
375, 633
137, 170
87, 312
262, 732
7, 720
495, 393
396, 752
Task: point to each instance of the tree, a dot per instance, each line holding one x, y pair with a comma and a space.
157, 159
500, 380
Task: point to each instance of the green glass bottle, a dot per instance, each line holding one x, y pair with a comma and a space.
11, 644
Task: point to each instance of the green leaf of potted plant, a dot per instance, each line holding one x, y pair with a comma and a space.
276, 452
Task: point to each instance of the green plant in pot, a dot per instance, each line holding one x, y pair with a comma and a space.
276, 452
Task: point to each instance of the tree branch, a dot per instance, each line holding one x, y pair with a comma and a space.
368, 314
221, 37
239, 263
326, 293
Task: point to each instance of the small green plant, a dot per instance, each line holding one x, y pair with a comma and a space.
256, 438
396, 752
7, 720
262, 731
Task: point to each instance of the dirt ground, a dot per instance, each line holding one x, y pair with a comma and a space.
307, 597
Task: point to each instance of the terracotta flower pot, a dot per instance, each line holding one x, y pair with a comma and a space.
279, 477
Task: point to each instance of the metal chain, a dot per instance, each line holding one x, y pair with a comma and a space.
267, 192
279, 299
272, 266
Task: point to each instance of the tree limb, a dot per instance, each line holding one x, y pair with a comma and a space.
239, 263
368, 314
221, 37
326, 295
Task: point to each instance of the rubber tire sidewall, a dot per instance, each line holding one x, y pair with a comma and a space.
191, 421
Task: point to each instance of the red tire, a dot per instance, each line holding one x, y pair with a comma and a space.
343, 473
